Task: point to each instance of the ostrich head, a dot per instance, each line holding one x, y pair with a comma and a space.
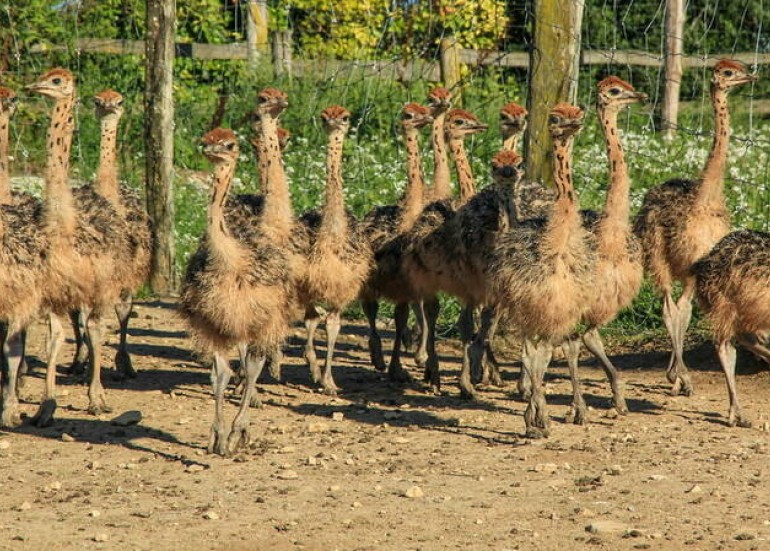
415, 116
272, 101
56, 83
220, 145
461, 123
108, 103
729, 74
336, 118
506, 167
8, 101
513, 119
613, 92
565, 120
439, 100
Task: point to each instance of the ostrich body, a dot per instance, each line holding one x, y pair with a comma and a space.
681, 220
733, 288
385, 227
434, 260
618, 274
339, 258
88, 256
542, 269
237, 289
129, 206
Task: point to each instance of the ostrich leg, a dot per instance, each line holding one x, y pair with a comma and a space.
97, 402
535, 416
491, 367
676, 316
220, 377
370, 308
727, 357
593, 342
465, 323
123, 310
396, 372
12, 354
80, 359
432, 308
578, 411
333, 325
239, 435
44, 415
421, 335
312, 319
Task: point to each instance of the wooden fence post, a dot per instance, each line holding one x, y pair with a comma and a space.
669, 110
553, 76
282, 53
256, 30
450, 67
159, 140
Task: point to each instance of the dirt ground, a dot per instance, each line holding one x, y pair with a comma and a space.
382, 467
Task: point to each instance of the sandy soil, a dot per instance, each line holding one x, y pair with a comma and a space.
386, 468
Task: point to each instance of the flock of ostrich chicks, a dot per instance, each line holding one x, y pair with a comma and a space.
514, 251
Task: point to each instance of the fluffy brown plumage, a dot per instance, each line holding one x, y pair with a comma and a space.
681, 220
236, 290
733, 288
542, 269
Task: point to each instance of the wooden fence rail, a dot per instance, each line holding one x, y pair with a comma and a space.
405, 70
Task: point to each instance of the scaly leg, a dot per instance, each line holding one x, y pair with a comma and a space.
727, 357
524, 383
333, 325
80, 359
753, 343
535, 416
23, 366
396, 372
44, 415
239, 435
432, 308
491, 366
220, 377
123, 309
676, 316
579, 412
370, 308
421, 335
275, 362
97, 402
12, 355
465, 325
312, 319
593, 341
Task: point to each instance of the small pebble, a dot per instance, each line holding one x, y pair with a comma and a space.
101, 538
695, 489
4, 444
211, 515
94, 514
338, 416
288, 475
414, 492
127, 418
66, 437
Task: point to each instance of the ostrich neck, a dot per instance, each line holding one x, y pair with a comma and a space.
442, 184
259, 149
412, 203
277, 215
617, 205
5, 173
58, 203
711, 189
218, 235
463, 167
565, 218
511, 142
107, 172
334, 223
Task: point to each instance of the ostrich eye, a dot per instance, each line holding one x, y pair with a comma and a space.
554, 119
262, 99
119, 103
230, 146
728, 73
56, 81
346, 119
459, 122
614, 91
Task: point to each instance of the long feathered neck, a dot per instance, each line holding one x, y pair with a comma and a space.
442, 182
463, 167
617, 204
223, 176
277, 218
511, 141
58, 203
565, 217
107, 173
5, 171
413, 200
711, 189
334, 223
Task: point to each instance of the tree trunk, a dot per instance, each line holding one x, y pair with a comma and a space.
553, 75
256, 30
159, 140
673, 64
450, 68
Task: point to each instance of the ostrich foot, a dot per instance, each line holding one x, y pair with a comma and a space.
492, 376
536, 433
255, 402
239, 437
682, 386
421, 357
578, 414
44, 415
737, 419
10, 417
312, 363
375, 348
620, 405
98, 405
123, 367
397, 374
218, 440
524, 387
274, 364
468, 394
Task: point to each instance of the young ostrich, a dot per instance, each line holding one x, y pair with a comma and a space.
89, 254
427, 264
385, 227
128, 205
731, 286
236, 289
542, 270
8, 103
339, 258
618, 274
681, 220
